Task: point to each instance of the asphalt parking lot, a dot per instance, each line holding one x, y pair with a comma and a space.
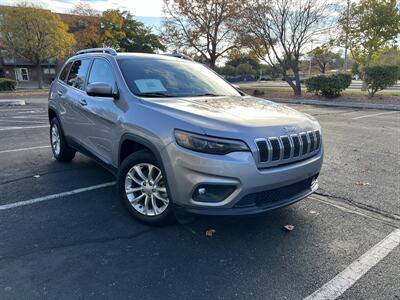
64, 234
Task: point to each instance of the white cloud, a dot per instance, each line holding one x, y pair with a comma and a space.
136, 7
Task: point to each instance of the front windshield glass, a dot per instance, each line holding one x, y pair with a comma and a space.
172, 78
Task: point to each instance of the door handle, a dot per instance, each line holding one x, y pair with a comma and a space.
83, 102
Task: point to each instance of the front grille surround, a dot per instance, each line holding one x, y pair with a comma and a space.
287, 148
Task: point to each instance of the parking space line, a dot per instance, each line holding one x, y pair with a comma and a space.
23, 149
349, 276
55, 196
373, 115
25, 121
24, 127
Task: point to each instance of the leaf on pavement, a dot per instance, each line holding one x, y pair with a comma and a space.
360, 183
288, 227
36, 176
210, 232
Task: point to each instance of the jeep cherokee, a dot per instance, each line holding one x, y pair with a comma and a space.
175, 134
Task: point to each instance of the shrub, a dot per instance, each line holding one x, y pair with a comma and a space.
380, 77
7, 84
258, 93
328, 86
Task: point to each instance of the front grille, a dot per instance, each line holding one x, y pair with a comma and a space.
276, 196
283, 148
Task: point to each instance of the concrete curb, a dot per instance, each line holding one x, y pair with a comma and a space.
338, 104
12, 102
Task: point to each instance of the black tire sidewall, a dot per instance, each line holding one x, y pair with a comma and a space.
142, 156
66, 153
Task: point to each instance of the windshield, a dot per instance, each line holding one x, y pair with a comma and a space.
172, 78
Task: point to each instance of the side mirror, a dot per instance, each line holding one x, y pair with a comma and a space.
101, 89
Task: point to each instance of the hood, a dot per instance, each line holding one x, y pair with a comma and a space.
235, 114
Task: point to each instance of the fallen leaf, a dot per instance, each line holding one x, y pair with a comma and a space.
313, 212
36, 176
288, 227
210, 232
362, 183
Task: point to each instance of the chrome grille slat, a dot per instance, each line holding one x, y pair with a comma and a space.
277, 150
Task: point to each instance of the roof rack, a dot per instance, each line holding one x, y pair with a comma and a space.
98, 50
179, 55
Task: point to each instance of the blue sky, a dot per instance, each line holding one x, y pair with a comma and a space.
145, 8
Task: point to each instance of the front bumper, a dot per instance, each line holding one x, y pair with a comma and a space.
186, 170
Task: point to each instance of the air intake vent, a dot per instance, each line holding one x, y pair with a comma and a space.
295, 147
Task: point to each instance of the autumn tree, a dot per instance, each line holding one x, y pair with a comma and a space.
205, 26
34, 34
84, 24
369, 26
278, 31
122, 32
325, 57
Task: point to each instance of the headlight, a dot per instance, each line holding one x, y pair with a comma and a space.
202, 143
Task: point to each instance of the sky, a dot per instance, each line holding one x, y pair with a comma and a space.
145, 8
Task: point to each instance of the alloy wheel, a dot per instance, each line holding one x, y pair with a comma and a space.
146, 190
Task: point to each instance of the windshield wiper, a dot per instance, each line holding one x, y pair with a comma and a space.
206, 94
154, 95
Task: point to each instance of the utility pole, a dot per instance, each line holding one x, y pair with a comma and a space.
345, 67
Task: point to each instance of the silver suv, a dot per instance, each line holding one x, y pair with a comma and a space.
176, 135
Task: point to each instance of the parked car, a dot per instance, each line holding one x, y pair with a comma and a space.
176, 135
265, 78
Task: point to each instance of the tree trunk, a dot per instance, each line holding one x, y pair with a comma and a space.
295, 87
297, 91
364, 83
39, 72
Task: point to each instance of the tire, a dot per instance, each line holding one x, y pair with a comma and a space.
146, 197
61, 150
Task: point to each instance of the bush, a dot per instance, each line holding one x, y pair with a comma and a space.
328, 86
380, 77
7, 84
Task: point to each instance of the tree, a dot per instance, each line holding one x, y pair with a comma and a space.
34, 34
121, 31
370, 26
245, 69
388, 56
278, 30
237, 57
324, 57
84, 24
203, 25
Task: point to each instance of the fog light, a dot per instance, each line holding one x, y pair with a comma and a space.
212, 193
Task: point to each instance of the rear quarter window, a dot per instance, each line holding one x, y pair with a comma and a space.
64, 72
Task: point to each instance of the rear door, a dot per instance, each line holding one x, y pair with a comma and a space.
74, 100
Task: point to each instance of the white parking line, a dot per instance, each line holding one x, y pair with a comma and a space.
25, 121
24, 127
55, 196
373, 115
349, 276
23, 149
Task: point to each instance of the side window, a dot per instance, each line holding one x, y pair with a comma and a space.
64, 72
78, 73
101, 72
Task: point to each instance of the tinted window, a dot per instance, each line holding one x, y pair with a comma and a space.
172, 78
78, 73
101, 72
64, 72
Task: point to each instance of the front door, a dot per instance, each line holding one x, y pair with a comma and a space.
22, 74
102, 114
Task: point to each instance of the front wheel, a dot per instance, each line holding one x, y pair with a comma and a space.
142, 187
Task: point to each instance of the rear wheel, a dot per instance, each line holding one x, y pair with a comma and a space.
142, 187
61, 151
